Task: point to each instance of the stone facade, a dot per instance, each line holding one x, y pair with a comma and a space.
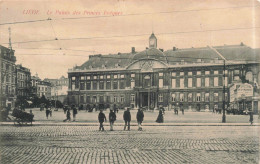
8, 77
23, 81
193, 78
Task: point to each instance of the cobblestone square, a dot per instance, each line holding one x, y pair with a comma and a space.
167, 144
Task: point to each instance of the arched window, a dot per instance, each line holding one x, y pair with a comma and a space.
147, 81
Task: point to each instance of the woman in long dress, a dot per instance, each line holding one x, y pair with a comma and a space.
160, 117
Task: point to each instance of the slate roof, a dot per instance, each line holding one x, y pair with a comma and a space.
6, 54
189, 55
151, 53
231, 53
109, 61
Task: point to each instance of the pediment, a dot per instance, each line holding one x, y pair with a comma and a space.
146, 65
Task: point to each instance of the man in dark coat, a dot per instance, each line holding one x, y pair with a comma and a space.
101, 119
74, 112
251, 117
67, 115
112, 119
140, 118
127, 118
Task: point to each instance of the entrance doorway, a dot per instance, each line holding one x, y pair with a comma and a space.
255, 107
145, 99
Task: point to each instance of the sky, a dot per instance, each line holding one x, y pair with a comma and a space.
176, 23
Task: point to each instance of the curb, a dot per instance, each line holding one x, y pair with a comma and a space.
133, 124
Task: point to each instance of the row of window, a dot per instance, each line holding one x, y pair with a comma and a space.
101, 85
175, 97
7, 67
216, 72
42, 89
215, 80
102, 99
22, 76
116, 76
94, 77
8, 78
8, 89
195, 97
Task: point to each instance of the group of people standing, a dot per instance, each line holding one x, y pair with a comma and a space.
68, 113
126, 117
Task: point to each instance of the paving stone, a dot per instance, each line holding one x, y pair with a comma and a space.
85, 144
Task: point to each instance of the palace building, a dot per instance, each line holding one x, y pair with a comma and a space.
192, 78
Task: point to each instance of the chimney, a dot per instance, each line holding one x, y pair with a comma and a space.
133, 50
147, 48
174, 48
161, 49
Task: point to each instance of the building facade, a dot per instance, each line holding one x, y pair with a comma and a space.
59, 88
40, 88
8, 77
194, 78
23, 81
44, 89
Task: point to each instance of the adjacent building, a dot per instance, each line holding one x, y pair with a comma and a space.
44, 89
34, 82
8, 77
59, 88
194, 78
40, 88
23, 81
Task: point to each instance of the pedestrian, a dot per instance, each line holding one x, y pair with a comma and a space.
64, 109
160, 117
127, 118
251, 117
140, 118
67, 115
182, 109
112, 119
176, 110
74, 112
50, 111
101, 119
47, 111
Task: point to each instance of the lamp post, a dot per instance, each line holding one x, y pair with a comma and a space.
224, 91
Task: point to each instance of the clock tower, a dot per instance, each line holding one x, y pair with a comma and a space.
152, 41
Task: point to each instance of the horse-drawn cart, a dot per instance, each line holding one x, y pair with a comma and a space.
22, 117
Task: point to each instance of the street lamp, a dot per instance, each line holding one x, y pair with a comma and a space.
224, 93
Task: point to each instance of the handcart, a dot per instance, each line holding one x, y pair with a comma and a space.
21, 117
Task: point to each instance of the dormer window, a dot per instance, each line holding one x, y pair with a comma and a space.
182, 61
103, 66
90, 67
